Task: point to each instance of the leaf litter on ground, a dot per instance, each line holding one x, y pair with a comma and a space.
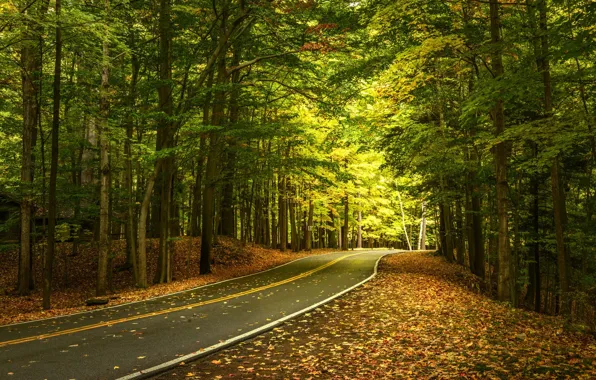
420, 318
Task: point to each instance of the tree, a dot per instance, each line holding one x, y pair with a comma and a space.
31, 77
104, 192
52, 207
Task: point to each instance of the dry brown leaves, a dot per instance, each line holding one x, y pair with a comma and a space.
419, 319
75, 276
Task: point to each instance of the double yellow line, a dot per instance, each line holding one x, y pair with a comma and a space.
173, 309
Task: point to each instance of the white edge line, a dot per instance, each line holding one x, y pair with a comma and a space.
168, 294
145, 373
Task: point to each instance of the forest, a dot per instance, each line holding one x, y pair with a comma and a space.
464, 126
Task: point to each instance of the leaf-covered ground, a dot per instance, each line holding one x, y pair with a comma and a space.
419, 318
75, 276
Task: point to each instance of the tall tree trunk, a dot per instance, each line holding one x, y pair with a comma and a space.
104, 192
49, 262
309, 226
304, 227
477, 232
131, 228
197, 204
195, 219
274, 219
283, 215
338, 228
403, 219
473, 217
422, 233
534, 259
227, 212
211, 168
165, 140
227, 205
331, 231
209, 205
88, 155
476, 240
31, 63
266, 211
459, 226
558, 194
359, 223
293, 229
560, 217
446, 231
258, 213
504, 283
344, 237
142, 228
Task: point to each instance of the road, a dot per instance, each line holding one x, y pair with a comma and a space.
138, 339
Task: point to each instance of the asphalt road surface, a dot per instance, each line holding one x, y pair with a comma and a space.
136, 340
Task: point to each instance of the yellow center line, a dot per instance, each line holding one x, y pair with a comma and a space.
173, 309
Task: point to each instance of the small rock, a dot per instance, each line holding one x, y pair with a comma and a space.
521, 336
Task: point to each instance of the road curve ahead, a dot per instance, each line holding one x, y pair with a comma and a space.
138, 339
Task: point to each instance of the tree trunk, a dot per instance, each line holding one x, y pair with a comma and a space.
227, 212
274, 225
403, 219
131, 216
359, 224
504, 283
476, 240
534, 259
422, 233
30, 115
88, 156
164, 141
344, 237
227, 204
293, 229
558, 194
49, 262
338, 228
209, 205
31, 61
266, 211
331, 231
459, 226
446, 231
560, 217
195, 218
211, 171
142, 228
309, 226
283, 215
104, 192
198, 189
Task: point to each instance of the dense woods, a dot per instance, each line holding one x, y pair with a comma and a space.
492, 106
460, 125
142, 120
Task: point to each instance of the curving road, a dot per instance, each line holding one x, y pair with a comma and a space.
136, 340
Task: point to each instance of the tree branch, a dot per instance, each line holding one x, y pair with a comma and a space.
258, 59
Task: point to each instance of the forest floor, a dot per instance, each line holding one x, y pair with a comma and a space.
75, 276
419, 318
